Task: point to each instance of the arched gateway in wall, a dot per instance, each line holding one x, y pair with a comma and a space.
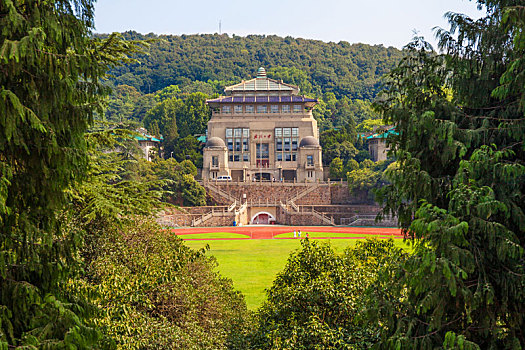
262, 218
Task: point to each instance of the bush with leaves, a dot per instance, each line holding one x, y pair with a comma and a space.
316, 301
155, 293
149, 289
179, 184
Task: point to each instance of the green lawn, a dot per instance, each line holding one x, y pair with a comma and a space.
330, 234
252, 264
213, 235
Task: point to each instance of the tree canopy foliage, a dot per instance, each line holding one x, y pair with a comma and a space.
49, 90
461, 175
316, 302
156, 293
344, 69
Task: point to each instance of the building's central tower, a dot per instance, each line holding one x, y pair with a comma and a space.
263, 129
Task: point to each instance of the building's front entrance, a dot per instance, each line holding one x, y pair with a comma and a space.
263, 218
289, 175
262, 176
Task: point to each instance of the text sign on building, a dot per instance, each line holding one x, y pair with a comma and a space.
262, 136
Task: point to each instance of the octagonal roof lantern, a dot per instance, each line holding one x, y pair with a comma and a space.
261, 72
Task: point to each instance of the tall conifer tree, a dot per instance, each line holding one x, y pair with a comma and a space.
459, 188
50, 71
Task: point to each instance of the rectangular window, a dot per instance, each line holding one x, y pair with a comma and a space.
261, 151
310, 160
285, 108
279, 144
230, 157
287, 157
238, 109
230, 145
246, 133
249, 109
245, 144
287, 144
213, 174
245, 157
294, 143
278, 132
287, 131
274, 108
235, 157
215, 161
295, 131
297, 108
226, 109
261, 109
229, 132
279, 157
237, 145
294, 157
237, 132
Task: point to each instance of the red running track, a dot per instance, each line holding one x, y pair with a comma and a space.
268, 232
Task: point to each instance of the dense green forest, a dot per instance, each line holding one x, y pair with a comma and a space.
83, 266
317, 67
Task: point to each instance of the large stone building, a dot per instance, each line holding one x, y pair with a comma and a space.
263, 129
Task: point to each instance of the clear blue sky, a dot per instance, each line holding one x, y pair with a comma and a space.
387, 22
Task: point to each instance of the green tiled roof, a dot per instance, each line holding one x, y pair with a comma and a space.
383, 135
147, 138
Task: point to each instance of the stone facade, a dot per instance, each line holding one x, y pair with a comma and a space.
377, 143
263, 129
148, 144
378, 149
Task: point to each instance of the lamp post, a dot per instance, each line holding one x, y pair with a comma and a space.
260, 159
171, 155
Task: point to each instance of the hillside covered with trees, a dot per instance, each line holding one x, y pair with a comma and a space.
351, 70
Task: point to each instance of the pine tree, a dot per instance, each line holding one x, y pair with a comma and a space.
459, 189
49, 89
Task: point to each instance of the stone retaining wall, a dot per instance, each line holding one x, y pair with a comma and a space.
273, 192
340, 194
333, 200
284, 218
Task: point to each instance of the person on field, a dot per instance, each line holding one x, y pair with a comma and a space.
299, 233
294, 234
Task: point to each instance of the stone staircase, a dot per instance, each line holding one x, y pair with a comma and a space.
221, 193
238, 208
292, 209
212, 214
368, 220
304, 192
226, 197
325, 219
